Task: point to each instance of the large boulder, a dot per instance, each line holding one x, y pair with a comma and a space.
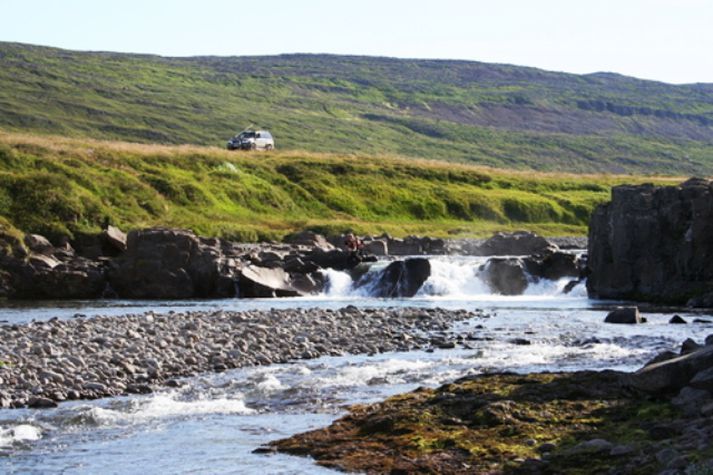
674, 374
398, 279
265, 282
553, 266
506, 276
376, 247
309, 238
415, 245
335, 259
519, 243
114, 239
38, 244
172, 264
625, 315
653, 243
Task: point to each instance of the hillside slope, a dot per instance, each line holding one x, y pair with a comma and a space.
64, 187
497, 115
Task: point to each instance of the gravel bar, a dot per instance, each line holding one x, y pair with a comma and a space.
42, 363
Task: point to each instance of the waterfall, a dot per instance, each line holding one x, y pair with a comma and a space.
455, 277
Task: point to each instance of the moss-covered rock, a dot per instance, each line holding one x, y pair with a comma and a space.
582, 422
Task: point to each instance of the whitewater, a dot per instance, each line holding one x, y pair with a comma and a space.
214, 422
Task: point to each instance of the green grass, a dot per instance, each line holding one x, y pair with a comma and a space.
458, 111
61, 187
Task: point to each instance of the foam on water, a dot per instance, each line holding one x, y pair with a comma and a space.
269, 383
454, 277
19, 433
165, 405
365, 374
338, 283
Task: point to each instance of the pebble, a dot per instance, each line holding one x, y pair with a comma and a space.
593, 446
111, 355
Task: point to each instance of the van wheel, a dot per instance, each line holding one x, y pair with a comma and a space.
268, 148
253, 146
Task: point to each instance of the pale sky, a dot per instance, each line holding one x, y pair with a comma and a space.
666, 40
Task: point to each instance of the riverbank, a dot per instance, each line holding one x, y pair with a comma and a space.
576, 423
48, 362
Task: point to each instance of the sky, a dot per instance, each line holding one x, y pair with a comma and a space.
665, 40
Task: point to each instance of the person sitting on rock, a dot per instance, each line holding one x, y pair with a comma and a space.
355, 247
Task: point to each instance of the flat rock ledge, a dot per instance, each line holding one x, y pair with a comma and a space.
43, 363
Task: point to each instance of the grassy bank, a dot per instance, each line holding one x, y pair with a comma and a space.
60, 187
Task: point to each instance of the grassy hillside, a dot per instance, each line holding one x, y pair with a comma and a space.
60, 187
495, 115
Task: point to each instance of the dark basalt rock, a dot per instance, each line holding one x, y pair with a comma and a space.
48, 272
554, 265
172, 264
264, 282
626, 315
674, 374
506, 276
654, 243
519, 243
398, 279
309, 238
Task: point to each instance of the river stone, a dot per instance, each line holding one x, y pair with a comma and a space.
40, 402
676, 319
625, 315
593, 446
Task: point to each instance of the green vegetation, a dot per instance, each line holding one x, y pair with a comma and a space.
495, 423
62, 187
487, 114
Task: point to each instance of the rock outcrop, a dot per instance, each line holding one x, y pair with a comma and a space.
653, 243
35, 269
172, 264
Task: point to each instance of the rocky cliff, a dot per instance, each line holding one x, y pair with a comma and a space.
654, 243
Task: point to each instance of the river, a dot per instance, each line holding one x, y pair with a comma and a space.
213, 423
